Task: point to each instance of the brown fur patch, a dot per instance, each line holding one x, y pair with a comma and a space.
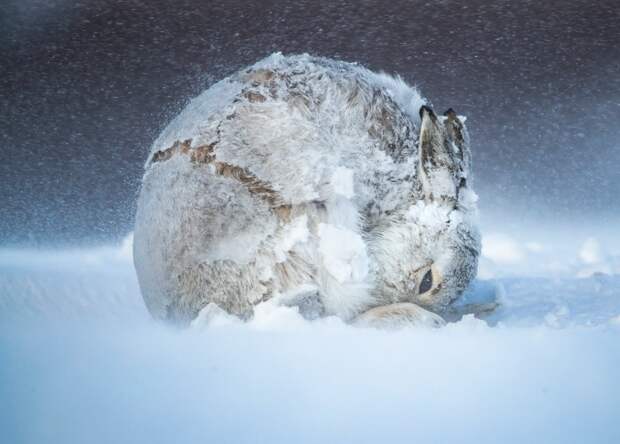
254, 97
260, 76
177, 147
204, 154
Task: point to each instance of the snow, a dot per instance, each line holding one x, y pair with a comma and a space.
342, 182
210, 101
429, 215
590, 251
294, 233
408, 97
343, 253
502, 249
83, 362
504, 255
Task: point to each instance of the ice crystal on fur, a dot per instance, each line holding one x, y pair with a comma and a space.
302, 172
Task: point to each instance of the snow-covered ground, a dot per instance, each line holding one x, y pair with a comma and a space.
81, 361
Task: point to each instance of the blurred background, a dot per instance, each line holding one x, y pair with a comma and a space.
85, 88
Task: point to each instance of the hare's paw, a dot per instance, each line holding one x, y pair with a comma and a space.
400, 315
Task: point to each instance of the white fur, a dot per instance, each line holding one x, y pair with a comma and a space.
349, 216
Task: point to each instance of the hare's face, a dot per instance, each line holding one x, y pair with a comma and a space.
428, 257
429, 254
451, 259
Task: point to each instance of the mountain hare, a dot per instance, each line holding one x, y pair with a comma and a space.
313, 181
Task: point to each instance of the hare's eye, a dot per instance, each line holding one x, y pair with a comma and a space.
427, 282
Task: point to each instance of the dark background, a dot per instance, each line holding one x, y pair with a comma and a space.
85, 87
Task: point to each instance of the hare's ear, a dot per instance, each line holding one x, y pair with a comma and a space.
443, 155
459, 138
457, 134
430, 136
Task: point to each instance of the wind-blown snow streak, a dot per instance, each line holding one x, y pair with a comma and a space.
81, 361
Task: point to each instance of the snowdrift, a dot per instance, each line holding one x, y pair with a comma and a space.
83, 362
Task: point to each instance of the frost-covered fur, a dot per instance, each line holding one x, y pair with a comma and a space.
307, 179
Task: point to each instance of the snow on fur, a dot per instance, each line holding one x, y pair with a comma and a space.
304, 140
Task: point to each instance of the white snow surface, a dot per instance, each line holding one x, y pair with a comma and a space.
81, 361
